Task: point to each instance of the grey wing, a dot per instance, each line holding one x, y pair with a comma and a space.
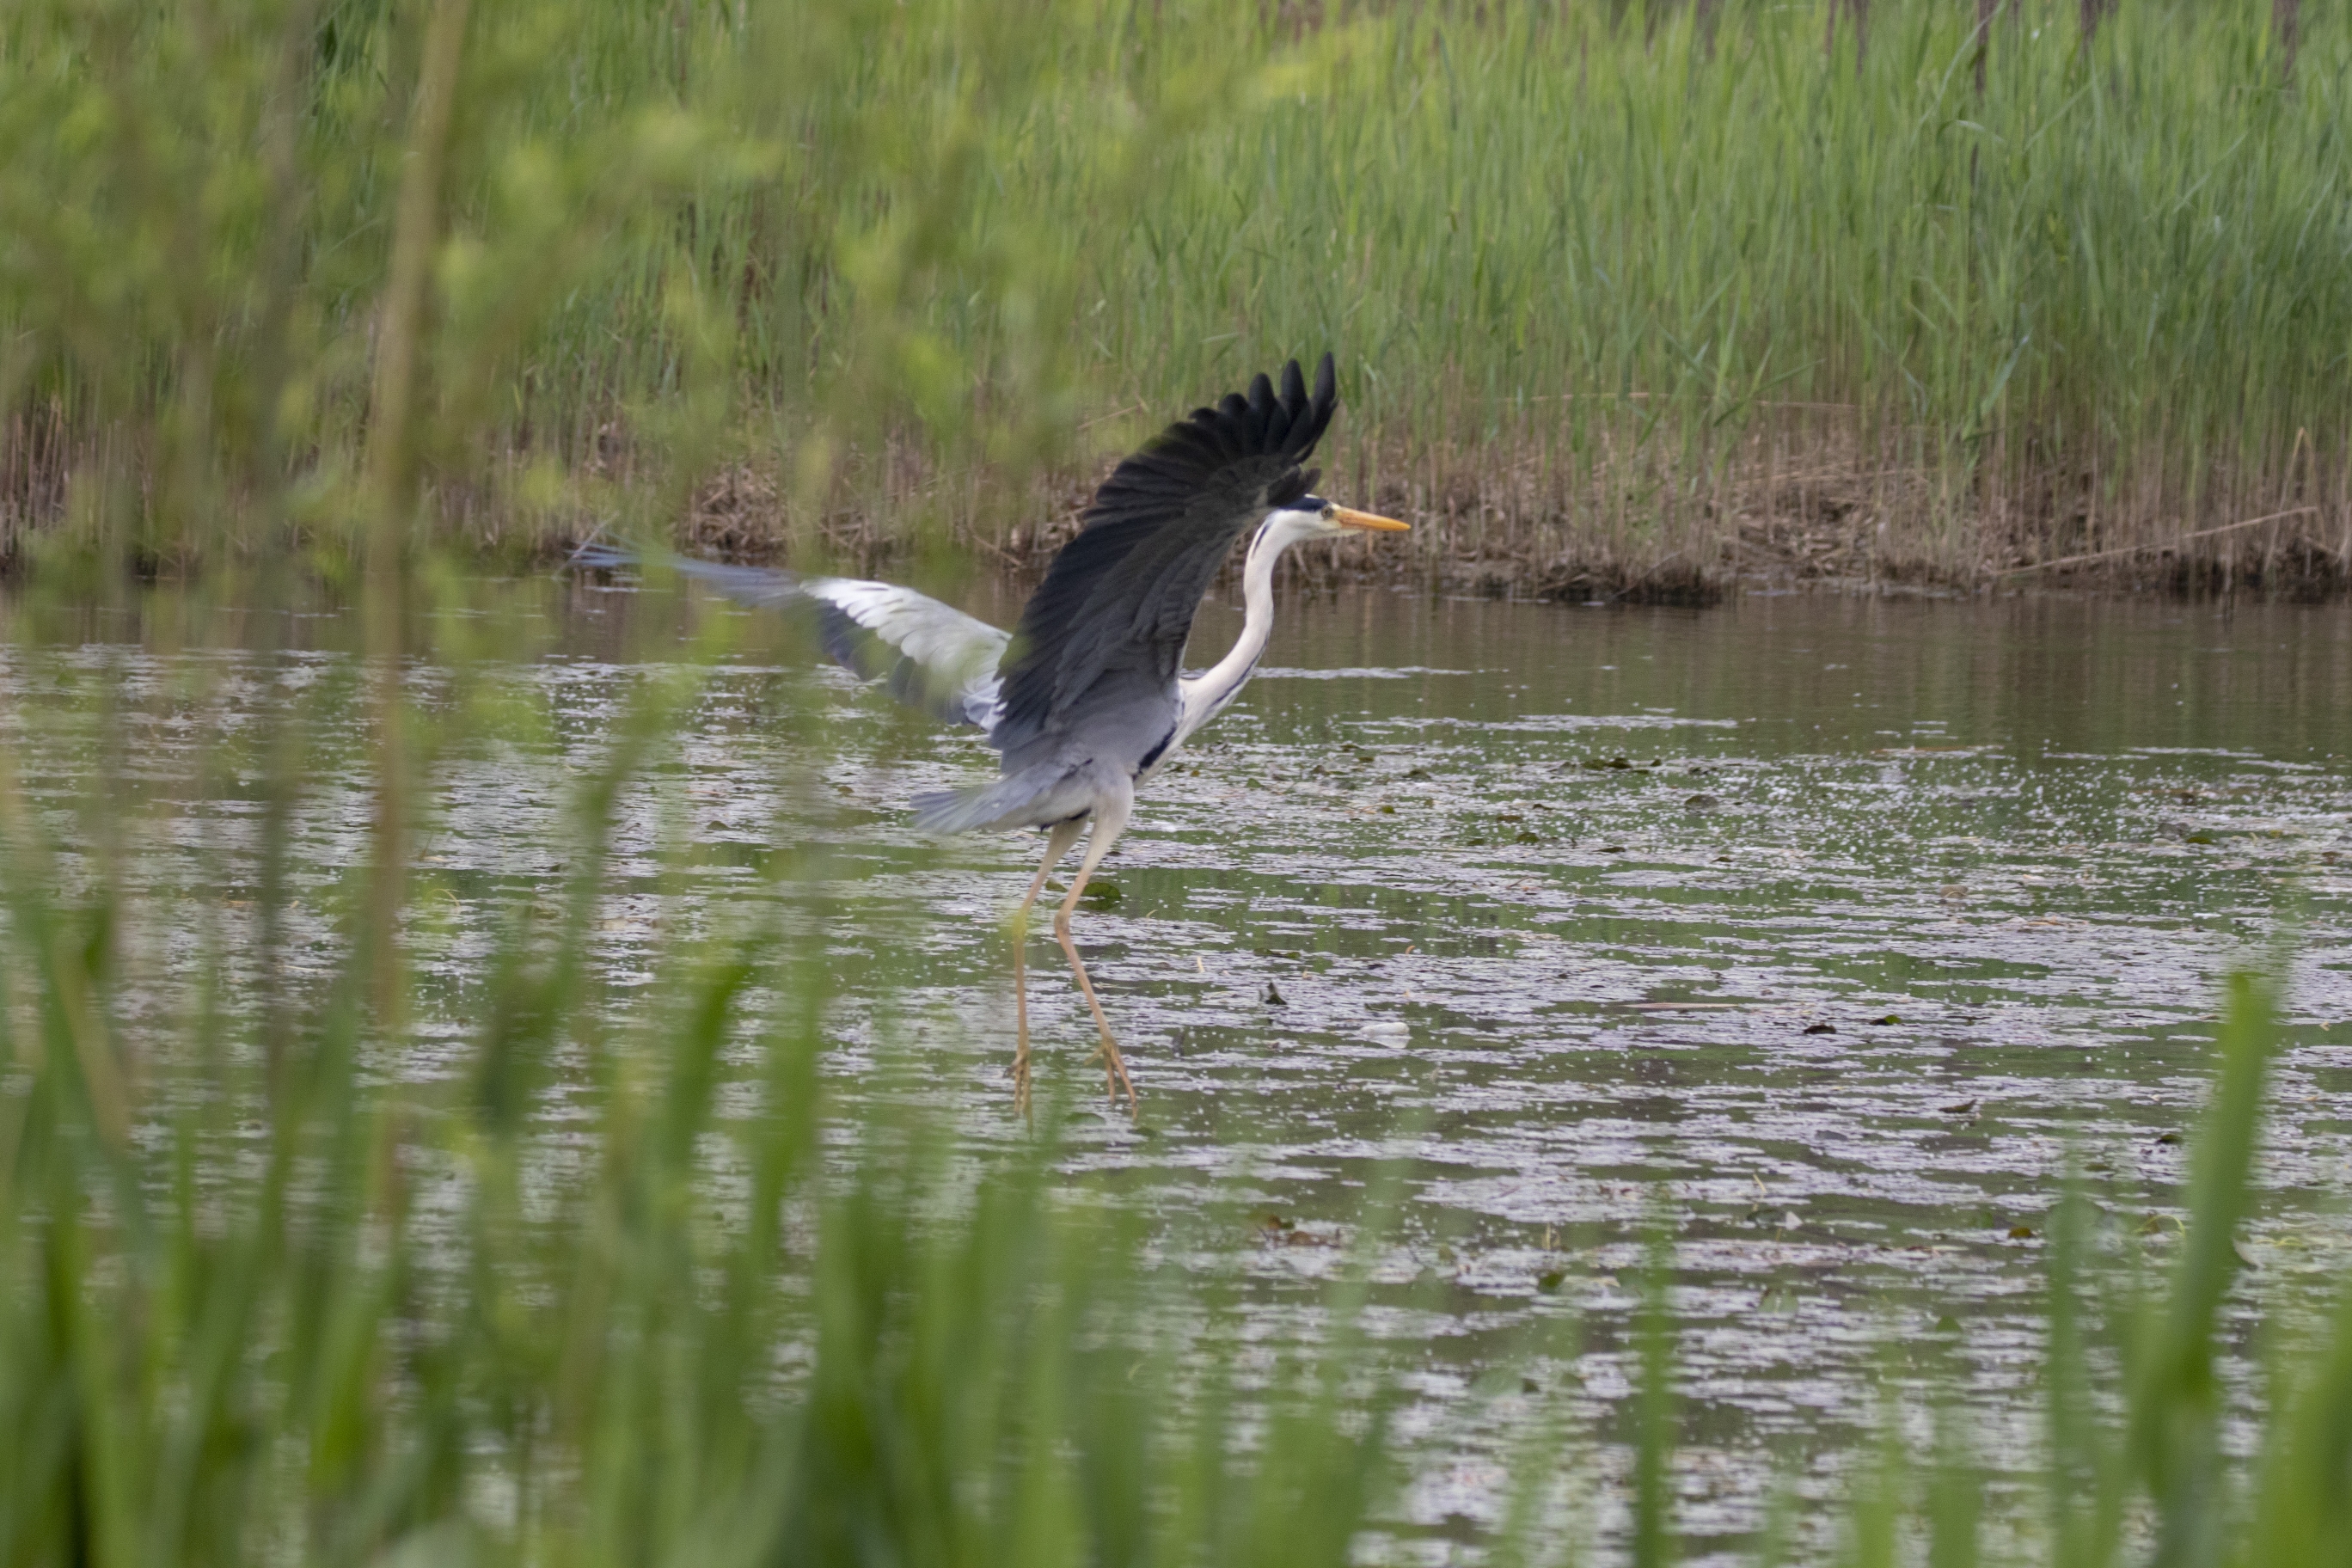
933, 657
1105, 632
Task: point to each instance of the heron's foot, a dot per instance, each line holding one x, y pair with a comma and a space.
1115, 1079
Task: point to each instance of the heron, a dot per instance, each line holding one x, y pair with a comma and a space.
1087, 697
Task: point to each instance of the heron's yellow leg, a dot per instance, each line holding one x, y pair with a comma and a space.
1110, 818
1058, 844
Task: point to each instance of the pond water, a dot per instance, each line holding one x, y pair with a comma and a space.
1821, 933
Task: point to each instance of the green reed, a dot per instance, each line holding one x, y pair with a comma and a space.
535, 1266
1604, 280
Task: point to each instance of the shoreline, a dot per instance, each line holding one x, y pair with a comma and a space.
1501, 519
1844, 531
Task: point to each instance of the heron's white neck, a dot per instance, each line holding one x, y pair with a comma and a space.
1204, 696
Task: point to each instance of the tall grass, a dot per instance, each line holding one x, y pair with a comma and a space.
292, 1271
1617, 289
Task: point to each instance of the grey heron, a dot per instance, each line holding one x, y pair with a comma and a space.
1086, 696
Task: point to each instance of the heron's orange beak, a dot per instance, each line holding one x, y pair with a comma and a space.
1340, 514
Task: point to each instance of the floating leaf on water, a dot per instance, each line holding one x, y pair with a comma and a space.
1550, 1280
2020, 1233
1273, 997
1821, 1028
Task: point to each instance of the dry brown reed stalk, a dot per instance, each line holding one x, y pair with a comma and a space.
36, 456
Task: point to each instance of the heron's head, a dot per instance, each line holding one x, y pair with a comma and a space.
1312, 517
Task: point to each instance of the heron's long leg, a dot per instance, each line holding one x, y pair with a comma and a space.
1110, 820
1058, 844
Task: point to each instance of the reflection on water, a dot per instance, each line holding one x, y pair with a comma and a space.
1816, 931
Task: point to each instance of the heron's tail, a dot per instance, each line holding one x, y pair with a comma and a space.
1031, 798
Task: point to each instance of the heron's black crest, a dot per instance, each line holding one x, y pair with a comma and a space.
1111, 618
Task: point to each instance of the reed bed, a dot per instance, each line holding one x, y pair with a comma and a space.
1628, 299
330, 289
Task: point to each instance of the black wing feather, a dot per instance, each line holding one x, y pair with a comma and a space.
1117, 603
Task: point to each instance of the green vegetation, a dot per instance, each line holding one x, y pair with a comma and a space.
313, 1252
1621, 292
608, 1274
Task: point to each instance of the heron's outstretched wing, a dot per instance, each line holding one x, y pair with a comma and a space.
1107, 626
935, 658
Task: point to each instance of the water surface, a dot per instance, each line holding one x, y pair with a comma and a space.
1819, 933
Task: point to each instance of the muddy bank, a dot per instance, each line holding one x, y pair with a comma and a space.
1505, 522
1801, 508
